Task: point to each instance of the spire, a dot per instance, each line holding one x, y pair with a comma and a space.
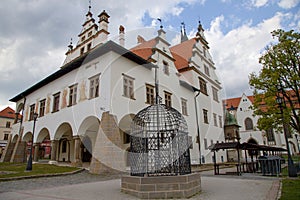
183, 33
70, 45
200, 35
90, 5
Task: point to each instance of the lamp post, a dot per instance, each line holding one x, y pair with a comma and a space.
29, 162
296, 136
292, 172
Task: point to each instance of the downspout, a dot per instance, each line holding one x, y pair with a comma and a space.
197, 124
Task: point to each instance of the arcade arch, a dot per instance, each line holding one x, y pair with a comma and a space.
62, 146
87, 132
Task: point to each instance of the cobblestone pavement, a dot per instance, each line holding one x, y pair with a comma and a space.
90, 186
56, 181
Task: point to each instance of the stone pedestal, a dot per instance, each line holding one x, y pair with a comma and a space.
162, 187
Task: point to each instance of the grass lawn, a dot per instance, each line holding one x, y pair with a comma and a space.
8, 170
290, 189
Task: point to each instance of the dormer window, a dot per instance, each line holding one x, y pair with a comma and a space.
166, 68
83, 38
90, 34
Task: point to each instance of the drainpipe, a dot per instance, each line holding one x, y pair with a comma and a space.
197, 123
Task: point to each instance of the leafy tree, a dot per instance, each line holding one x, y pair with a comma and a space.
281, 69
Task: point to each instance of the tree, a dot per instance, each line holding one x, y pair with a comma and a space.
281, 68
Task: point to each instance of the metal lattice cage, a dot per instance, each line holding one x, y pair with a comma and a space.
159, 144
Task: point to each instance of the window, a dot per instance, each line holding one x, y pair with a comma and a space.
90, 34
220, 121
184, 106
248, 124
81, 50
83, 38
42, 108
204, 51
64, 146
5, 136
205, 116
203, 87
89, 46
31, 112
166, 68
270, 135
205, 143
128, 87
206, 70
215, 119
94, 86
7, 125
215, 94
168, 100
149, 94
73, 95
56, 102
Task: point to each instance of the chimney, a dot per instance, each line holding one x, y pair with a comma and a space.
122, 35
103, 26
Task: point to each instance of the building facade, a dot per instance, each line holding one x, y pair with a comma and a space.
240, 108
7, 118
86, 107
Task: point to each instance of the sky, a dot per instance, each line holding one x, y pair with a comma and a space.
34, 34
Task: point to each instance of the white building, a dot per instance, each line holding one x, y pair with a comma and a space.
85, 108
240, 107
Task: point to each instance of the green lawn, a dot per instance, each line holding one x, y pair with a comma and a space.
8, 170
290, 189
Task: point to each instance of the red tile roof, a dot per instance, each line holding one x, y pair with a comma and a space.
182, 53
144, 49
234, 102
8, 113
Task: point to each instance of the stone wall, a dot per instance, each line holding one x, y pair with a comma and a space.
162, 187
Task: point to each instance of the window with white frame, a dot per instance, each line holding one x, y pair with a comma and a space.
72, 94
31, 112
42, 108
184, 106
215, 94
203, 87
56, 102
166, 68
149, 94
168, 99
128, 86
220, 121
205, 116
94, 86
206, 70
215, 119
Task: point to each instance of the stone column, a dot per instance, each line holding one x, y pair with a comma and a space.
77, 151
36, 151
53, 151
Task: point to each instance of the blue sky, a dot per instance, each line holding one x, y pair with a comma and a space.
34, 34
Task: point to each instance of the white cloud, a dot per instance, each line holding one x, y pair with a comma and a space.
236, 53
259, 3
287, 4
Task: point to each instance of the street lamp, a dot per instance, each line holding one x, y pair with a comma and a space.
297, 142
29, 162
291, 168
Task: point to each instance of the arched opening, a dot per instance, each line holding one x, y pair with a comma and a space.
15, 139
124, 126
44, 144
88, 133
64, 136
86, 149
27, 138
292, 147
250, 151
